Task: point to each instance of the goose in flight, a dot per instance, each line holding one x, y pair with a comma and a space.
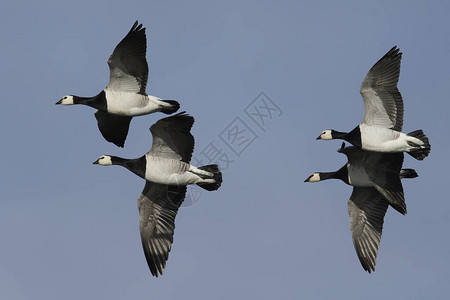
125, 95
369, 202
382, 124
371, 169
167, 170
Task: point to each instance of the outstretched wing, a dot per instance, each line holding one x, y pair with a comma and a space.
383, 170
158, 205
127, 64
383, 104
172, 137
114, 128
366, 209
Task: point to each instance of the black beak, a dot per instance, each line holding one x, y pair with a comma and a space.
96, 162
59, 102
307, 179
317, 138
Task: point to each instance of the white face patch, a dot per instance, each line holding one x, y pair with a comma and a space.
325, 135
315, 177
66, 100
105, 160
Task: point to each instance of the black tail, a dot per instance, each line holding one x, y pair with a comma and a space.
420, 151
217, 177
408, 173
174, 106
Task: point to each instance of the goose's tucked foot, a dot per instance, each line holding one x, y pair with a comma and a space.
169, 106
211, 180
408, 173
201, 173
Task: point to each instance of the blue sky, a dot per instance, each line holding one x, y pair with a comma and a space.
69, 229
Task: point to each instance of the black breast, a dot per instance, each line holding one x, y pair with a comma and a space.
137, 166
354, 137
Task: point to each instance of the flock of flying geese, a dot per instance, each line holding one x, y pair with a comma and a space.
166, 167
375, 160
374, 167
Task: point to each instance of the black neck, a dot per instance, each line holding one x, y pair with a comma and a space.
136, 165
353, 137
341, 174
338, 135
98, 101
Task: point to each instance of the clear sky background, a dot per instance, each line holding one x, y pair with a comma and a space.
69, 229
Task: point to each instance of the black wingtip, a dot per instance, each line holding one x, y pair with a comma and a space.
156, 267
136, 27
393, 52
342, 147
119, 144
114, 128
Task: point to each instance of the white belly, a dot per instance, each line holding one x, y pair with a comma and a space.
130, 104
169, 171
380, 139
